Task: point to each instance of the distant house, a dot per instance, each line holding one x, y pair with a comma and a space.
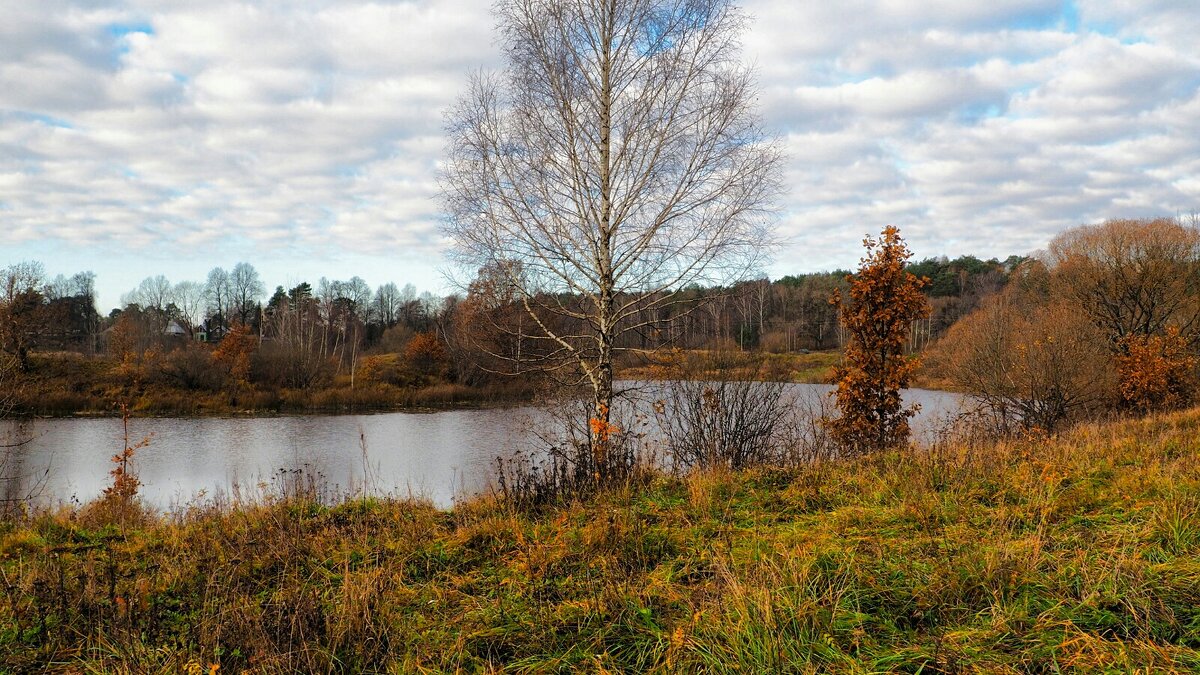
173, 329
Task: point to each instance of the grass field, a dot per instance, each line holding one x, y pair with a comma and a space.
1076, 554
810, 368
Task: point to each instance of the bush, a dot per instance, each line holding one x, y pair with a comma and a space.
388, 369
426, 355
721, 421
281, 365
1157, 372
192, 368
234, 352
1029, 367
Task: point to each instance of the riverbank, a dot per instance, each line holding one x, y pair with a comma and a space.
67, 385
1077, 554
698, 364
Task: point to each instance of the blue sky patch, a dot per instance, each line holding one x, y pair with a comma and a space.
120, 30
47, 120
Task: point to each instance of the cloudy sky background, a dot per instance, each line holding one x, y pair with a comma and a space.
172, 136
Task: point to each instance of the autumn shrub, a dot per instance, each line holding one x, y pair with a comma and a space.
191, 367
1028, 366
714, 411
234, 352
388, 369
883, 301
119, 502
1156, 372
1104, 319
283, 365
426, 355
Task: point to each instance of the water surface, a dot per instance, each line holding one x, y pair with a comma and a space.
436, 455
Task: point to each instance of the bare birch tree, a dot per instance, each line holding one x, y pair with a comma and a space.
152, 293
616, 159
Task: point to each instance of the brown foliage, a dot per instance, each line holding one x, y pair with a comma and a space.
234, 352
1032, 366
388, 369
24, 313
884, 301
191, 368
1108, 318
1131, 277
426, 354
1157, 372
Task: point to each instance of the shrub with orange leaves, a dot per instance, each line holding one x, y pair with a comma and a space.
1157, 372
884, 301
426, 354
234, 351
1031, 367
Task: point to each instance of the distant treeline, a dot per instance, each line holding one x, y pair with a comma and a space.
307, 328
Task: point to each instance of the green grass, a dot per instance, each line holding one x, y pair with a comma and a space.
1078, 554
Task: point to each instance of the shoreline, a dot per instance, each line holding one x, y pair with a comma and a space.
998, 557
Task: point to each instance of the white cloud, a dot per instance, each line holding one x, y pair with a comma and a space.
282, 130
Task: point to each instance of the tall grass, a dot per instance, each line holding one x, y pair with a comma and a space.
1074, 554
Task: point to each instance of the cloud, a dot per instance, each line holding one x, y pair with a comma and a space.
178, 124
294, 130
980, 127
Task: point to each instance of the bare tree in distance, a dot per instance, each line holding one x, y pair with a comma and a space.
188, 298
218, 295
617, 159
387, 304
152, 293
246, 291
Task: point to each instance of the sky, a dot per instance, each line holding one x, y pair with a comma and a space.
171, 136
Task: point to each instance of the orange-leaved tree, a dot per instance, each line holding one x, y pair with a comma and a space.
234, 352
1157, 372
884, 300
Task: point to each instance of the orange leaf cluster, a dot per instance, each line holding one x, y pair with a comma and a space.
425, 353
1157, 372
234, 351
602, 430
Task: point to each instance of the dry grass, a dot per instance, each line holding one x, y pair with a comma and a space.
67, 384
810, 368
1076, 554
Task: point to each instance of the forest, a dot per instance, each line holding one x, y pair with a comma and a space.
224, 344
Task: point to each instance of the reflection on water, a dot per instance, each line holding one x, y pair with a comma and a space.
435, 455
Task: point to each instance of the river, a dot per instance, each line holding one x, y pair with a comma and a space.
435, 455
